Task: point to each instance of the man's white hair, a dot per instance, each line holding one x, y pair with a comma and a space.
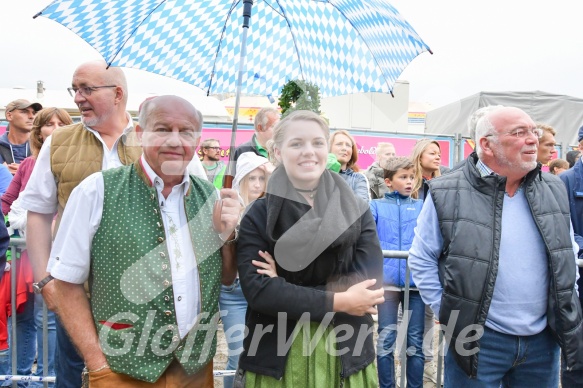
262, 117
487, 126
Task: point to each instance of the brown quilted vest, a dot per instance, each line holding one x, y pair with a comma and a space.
76, 153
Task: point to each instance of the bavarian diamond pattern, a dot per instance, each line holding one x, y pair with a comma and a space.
343, 46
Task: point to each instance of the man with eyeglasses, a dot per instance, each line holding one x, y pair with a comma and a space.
494, 257
104, 139
14, 145
211, 161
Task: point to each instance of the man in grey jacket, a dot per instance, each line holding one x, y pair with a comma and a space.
375, 172
494, 257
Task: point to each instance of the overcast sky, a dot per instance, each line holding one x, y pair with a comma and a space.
494, 45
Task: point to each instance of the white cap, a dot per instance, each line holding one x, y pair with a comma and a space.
247, 162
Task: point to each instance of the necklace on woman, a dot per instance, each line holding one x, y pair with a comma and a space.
311, 192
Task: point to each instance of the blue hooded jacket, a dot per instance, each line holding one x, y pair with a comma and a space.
357, 182
396, 218
13, 153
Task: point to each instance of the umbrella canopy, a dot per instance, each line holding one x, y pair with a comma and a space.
343, 46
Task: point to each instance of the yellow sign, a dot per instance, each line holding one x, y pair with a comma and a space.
244, 112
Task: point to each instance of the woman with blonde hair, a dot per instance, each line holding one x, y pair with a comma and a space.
253, 172
326, 272
343, 146
426, 156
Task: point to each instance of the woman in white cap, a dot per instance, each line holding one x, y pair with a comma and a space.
250, 181
253, 171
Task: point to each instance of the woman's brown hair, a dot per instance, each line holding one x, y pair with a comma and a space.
354, 158
40, 120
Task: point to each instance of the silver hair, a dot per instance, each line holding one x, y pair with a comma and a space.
477, 115
262, 117
474, 120
484, 127
144, 113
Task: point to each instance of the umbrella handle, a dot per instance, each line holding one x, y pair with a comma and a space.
228, 178
227, 184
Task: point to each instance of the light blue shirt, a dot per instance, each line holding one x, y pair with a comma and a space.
423, 261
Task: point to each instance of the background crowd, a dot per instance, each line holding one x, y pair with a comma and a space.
302, 230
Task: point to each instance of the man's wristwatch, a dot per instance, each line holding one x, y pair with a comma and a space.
38, 287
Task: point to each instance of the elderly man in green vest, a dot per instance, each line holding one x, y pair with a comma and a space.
142, 236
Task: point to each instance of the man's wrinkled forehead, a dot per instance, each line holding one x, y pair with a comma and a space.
164, 110
162, 118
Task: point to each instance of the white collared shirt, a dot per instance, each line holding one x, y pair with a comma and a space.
70, 255
40, 195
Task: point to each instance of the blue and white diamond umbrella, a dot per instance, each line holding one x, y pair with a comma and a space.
342, 46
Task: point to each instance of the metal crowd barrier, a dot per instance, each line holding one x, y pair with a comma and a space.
404, 255
17, 244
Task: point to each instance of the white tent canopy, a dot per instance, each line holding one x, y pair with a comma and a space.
212, 109
563, 113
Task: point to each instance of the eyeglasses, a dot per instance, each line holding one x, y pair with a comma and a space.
522, 133
213, 148
87, 90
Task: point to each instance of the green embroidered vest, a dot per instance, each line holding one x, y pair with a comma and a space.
130, 281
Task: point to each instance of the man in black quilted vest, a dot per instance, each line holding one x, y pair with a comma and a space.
494, 257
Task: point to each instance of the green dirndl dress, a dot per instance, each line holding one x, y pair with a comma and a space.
314, 365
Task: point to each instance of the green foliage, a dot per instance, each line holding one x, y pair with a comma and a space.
299, 95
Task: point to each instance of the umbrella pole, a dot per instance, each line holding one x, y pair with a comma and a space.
229, 174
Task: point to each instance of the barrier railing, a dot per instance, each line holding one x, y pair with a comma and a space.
17, 245
404, 255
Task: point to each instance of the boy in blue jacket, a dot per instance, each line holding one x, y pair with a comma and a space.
396, 217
